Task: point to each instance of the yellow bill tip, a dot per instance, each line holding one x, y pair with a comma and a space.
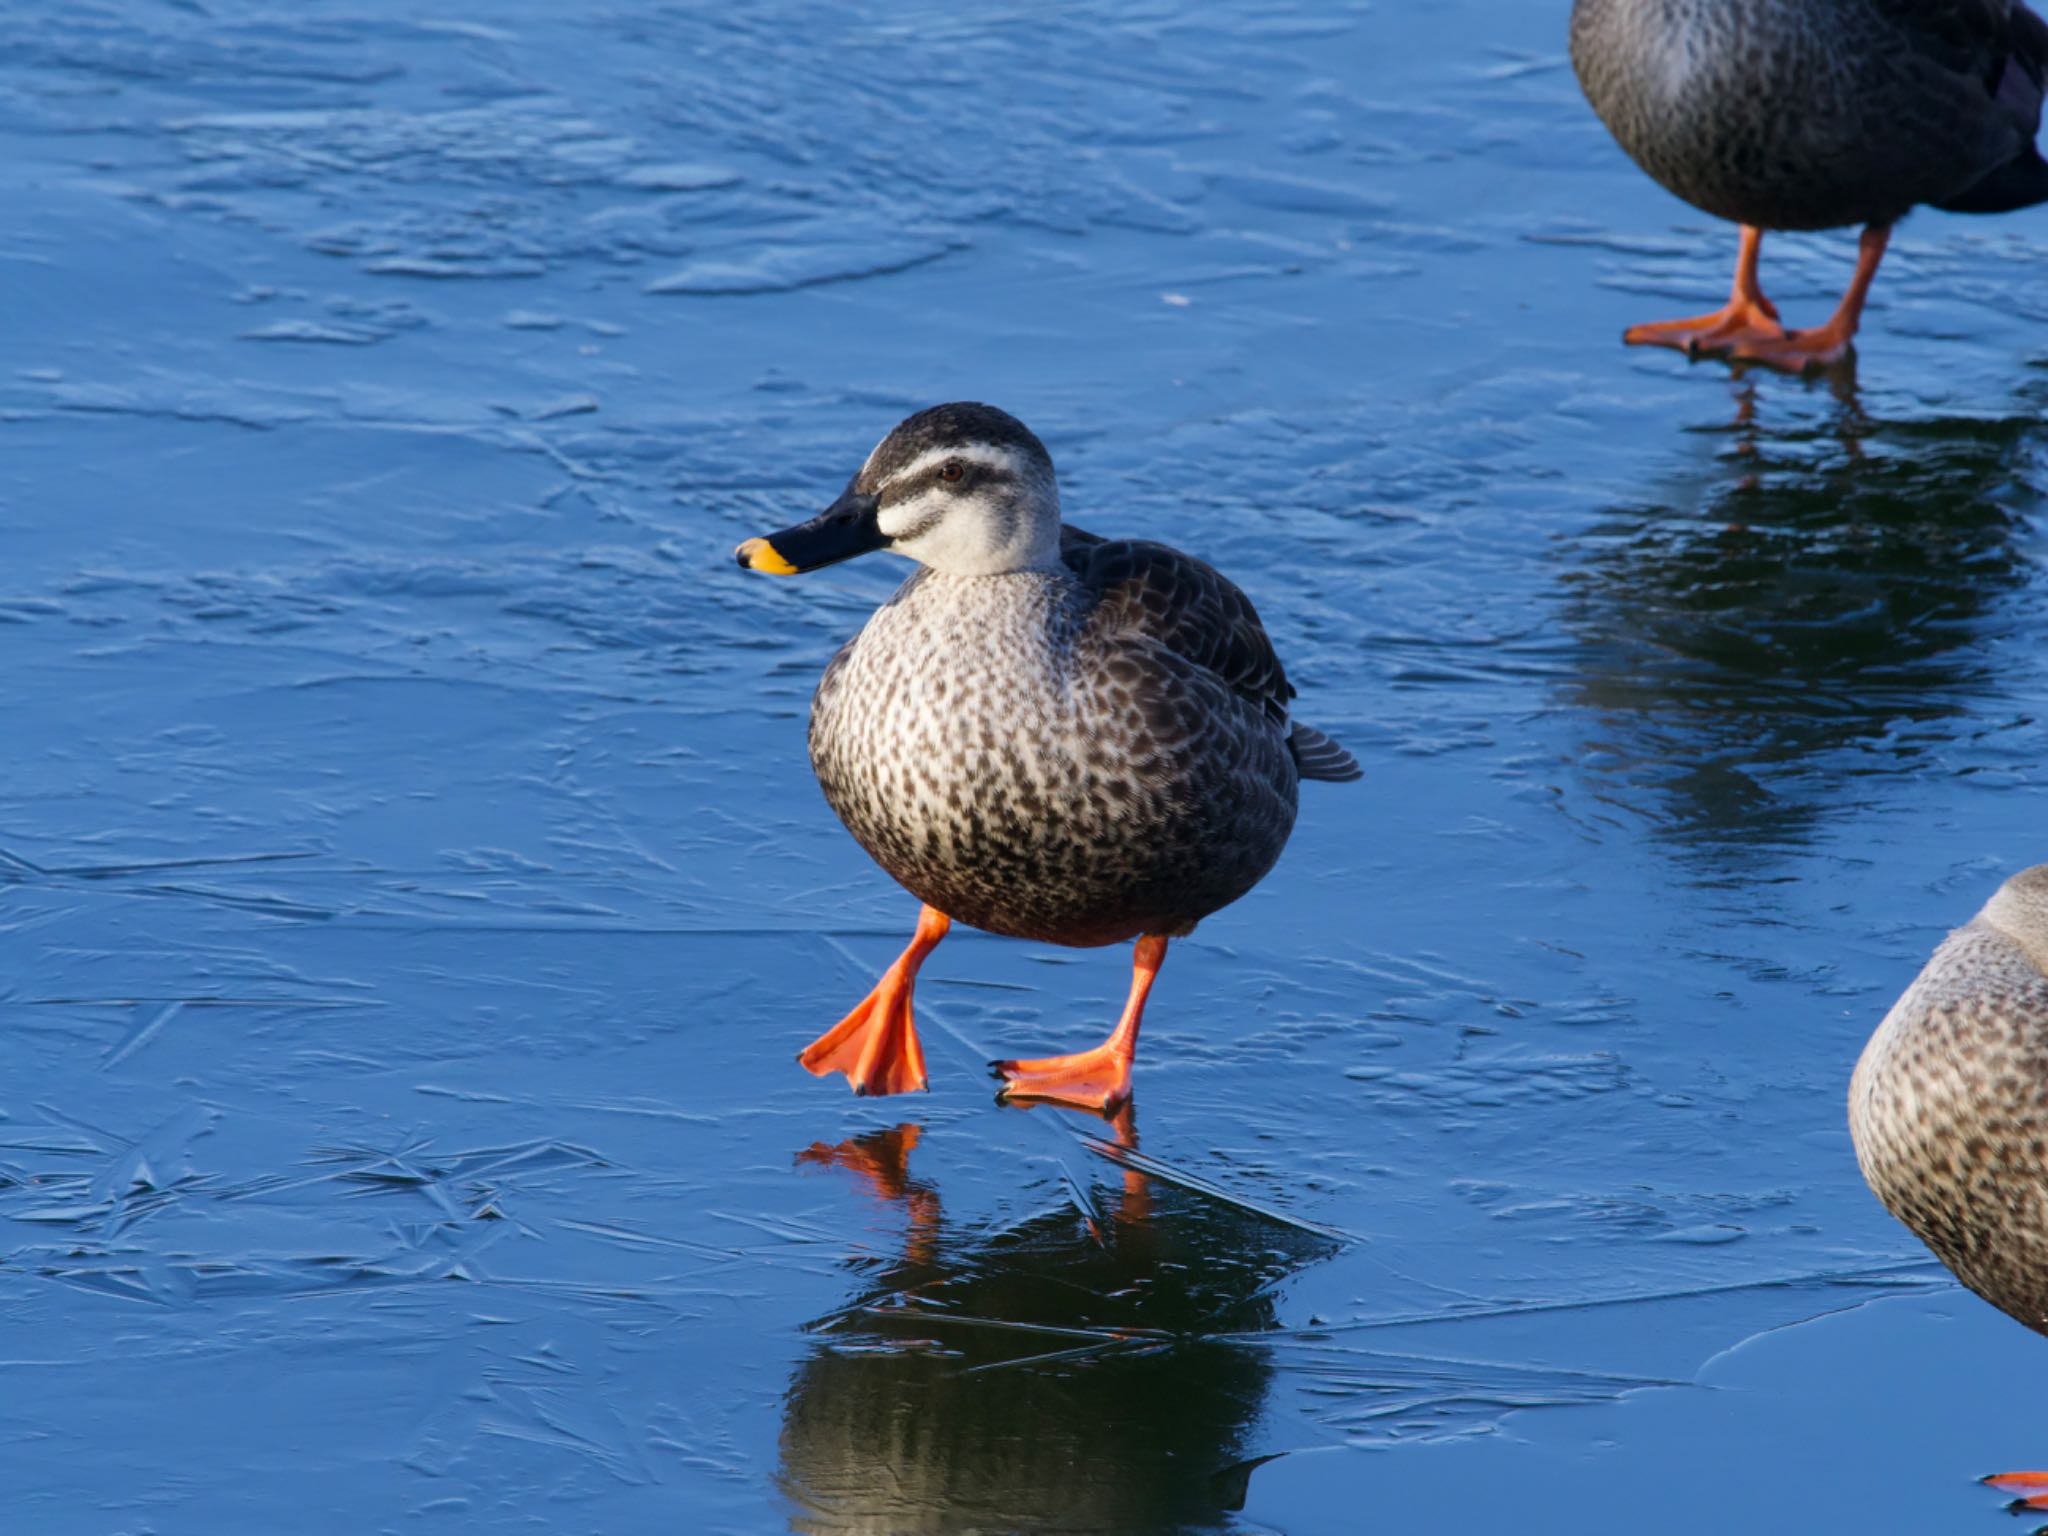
760, 555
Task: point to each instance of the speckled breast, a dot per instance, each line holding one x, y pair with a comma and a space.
1785, 114
993, 759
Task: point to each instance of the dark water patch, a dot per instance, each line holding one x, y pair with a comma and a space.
1826, 595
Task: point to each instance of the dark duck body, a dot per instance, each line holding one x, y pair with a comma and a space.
1813, 114
1044, 734
1949, 1110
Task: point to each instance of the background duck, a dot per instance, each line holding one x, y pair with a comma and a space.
1044, 734
1949, 1110
1812, 114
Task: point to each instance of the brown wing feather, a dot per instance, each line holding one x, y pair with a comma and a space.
1192, 609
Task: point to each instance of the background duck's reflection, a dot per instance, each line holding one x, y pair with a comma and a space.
1801, 616
1058, 1374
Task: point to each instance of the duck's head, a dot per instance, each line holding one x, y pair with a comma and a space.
2019, 910
963, 488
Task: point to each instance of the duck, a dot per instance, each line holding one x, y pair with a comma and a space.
1044, 734
1948, 1110
1815, 114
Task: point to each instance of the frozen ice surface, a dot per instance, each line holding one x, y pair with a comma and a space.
412, 890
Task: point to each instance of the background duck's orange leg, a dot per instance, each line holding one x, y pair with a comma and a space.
1098, 1078
876, 1044
1824, 344
1747, 316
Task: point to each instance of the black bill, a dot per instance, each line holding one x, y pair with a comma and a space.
850, 526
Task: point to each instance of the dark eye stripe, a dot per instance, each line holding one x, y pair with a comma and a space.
918, 530
933, 479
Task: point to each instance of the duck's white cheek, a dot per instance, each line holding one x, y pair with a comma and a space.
899, 517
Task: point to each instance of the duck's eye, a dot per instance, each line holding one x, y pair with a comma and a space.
951, 471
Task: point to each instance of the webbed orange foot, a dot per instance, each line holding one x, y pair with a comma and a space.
1738, 324
1797, 351
1824, 345
2031, 1486
1748, 318
876, 1045
1098, 1079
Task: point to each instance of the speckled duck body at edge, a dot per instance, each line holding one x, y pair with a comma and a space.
1949, 1112
1019, 765
1805, 114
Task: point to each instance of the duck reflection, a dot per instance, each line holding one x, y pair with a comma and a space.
1810, 612
1059, 1374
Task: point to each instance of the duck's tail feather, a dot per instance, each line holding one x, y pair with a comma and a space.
1318, 757
2019, 183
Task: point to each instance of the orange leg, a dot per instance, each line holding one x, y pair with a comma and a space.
1796, 351
2031, 1486
1747, 316
876, 1044
1099, 1078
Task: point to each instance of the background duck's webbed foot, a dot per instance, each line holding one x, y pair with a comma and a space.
1748, 318
1732, 327
1822, 346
